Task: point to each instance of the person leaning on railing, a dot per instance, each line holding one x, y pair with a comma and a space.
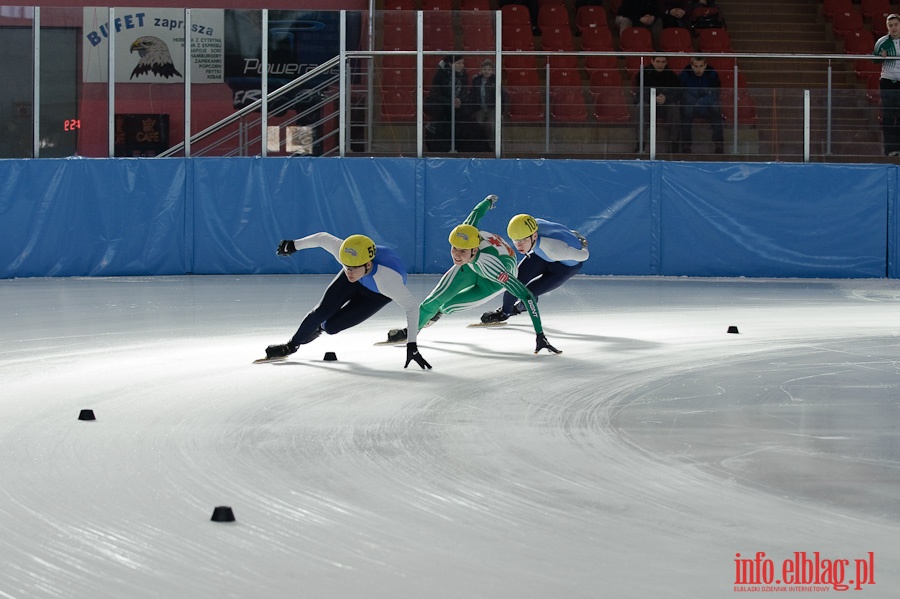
889, 45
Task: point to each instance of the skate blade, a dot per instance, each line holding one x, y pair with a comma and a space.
264, 360
486, 324
380, 343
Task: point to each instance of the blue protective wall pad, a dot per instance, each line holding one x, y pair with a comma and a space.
110, 217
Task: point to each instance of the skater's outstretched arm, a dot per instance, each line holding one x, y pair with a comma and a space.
480, 210
326, 241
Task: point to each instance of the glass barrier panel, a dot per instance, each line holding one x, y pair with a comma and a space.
16, 94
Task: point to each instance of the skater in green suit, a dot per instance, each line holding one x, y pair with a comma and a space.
484, 266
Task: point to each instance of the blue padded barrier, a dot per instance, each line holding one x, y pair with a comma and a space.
244, 206
69, 217
773, 220
108, 217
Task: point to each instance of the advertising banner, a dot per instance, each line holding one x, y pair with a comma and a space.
150, 45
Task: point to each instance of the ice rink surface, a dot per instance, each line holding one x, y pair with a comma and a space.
638, 463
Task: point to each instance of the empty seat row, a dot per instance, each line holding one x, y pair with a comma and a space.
435, 5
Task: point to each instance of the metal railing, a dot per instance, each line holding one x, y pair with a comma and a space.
342, 106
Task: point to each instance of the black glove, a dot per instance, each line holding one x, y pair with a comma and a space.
493, 199
412, 353
542, 343
286, 247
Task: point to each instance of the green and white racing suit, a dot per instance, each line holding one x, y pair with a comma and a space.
492, 271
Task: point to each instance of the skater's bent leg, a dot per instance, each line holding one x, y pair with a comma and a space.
530, 268
479, 293
441, 298
362, 306
338, 293
554, 276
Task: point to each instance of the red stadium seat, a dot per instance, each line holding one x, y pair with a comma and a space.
437, 5
608, 78
398, 104
598, 39
859, 42
721, 64
522, 78
567, 105
477, 38
476, 18
635, 39
400, 74
569, 61
727, 79
832, 7
553, 15
515, 15
678, 63
517, 37
874, 9
601, 80
564, 78
879, 24
518, 62
526, 105
399, 5
714, 40
399, 70
862, 42
475, 5
676, 39
591, 17
611, 106
399, 31
746, 113
846, 22
557, 39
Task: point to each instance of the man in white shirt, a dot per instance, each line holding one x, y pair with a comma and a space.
889, 45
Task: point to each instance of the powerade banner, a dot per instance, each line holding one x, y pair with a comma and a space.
150, 45
298, 42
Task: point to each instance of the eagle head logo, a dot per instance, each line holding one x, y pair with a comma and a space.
155, 58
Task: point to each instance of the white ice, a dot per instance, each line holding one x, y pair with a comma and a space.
636, 464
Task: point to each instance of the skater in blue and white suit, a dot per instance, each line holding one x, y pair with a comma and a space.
372, 276
553, 255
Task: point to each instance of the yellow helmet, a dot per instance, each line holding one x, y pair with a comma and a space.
465, 237
521, 226
356, 250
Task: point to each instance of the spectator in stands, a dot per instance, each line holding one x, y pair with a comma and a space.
483, 96
668, 87
700, 100
448, 112
889, 45
677, 13
640, 13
